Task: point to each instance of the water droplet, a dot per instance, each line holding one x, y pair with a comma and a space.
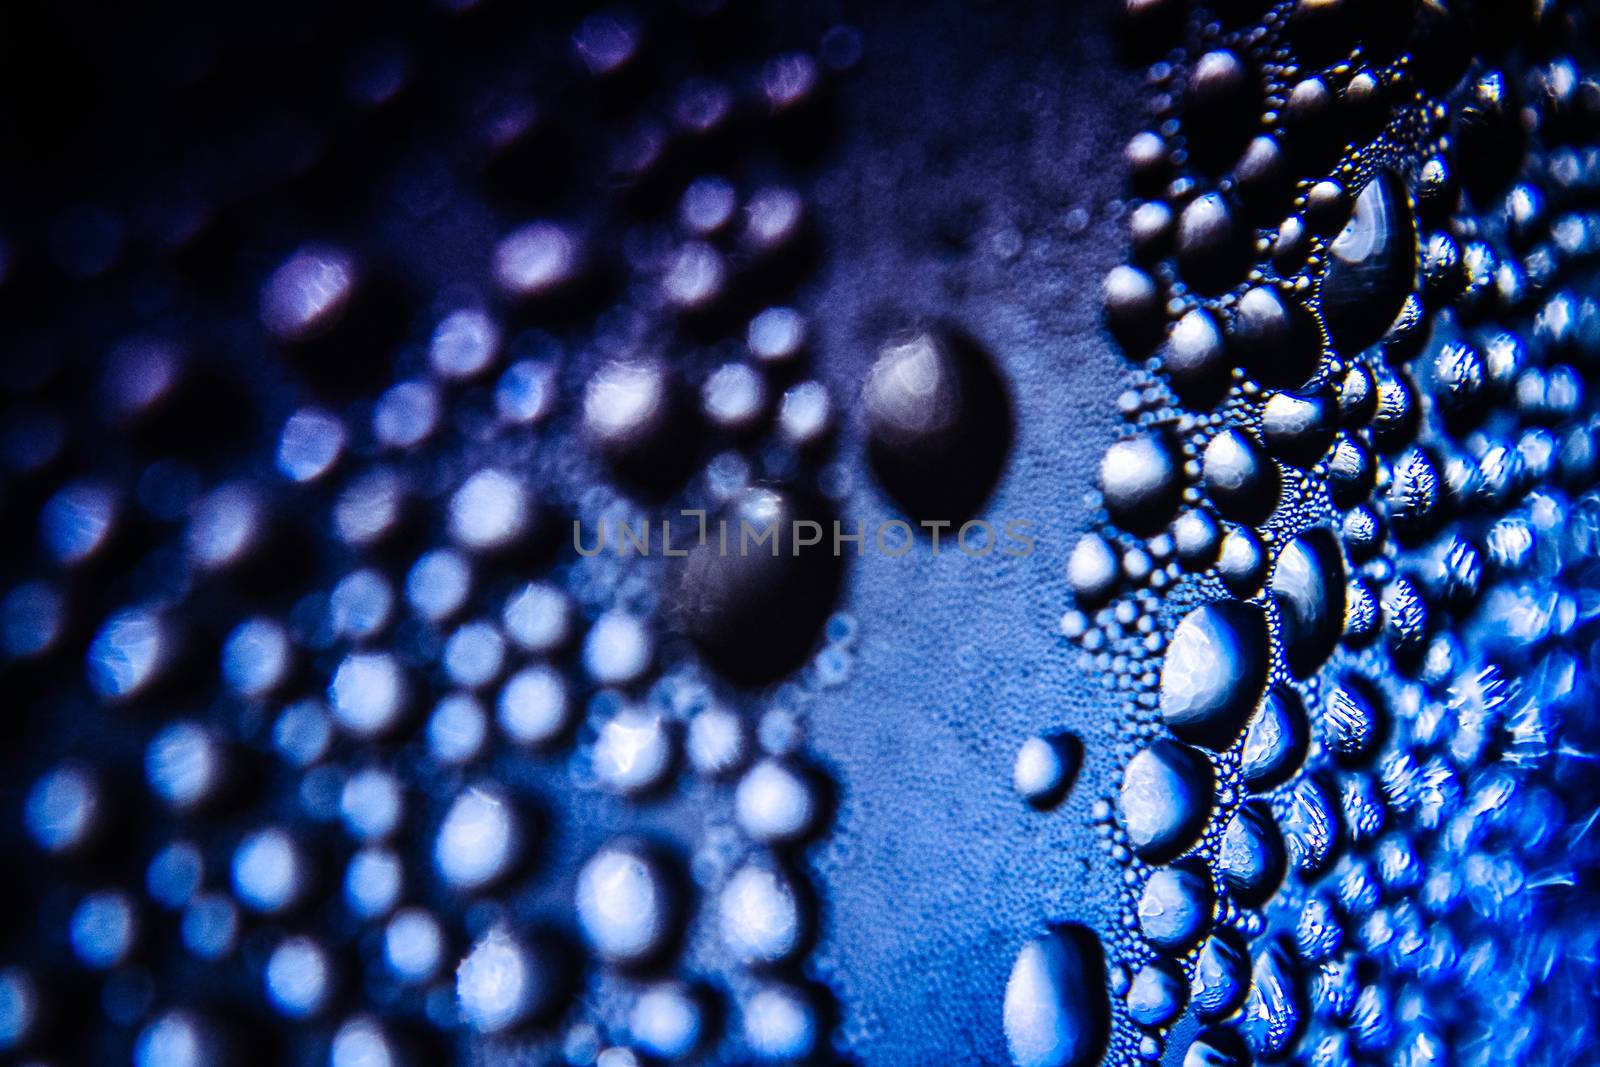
1214, 672
754, 604
1241, 481
501, 983
1166, 798
1308, 584
1310, 828
1213, 248
1056, 1012
1250, 856
1275, 339
1217, 1047
1175, 907
760, 914
478, 841
1045, 768
1298, 427
1276, 741
1156, 995
938, 423
1140, 481
1196, 358
774, 803
1352, 721
626, 905
1274, 1010
1093, 570
1221, 975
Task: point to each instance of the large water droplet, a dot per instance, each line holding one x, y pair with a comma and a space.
1213, 247
1214, 672
1275, 338
1372, 265
1298, 427
1196, 358
1155, 996
1175, 907
1217, 1047
1310, 827
938, 423
1276, 741
1352, 721
1318, 932
1057, 1012
754, 600
1242, 482
1251, 855
1221, 973
1275, 1008
626, 905
1308, 582
1166, 797
1139, 479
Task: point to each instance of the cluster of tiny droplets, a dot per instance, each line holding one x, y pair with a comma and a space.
1340, 575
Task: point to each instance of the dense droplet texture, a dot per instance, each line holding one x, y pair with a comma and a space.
754, 594
1308, 585
1276, 740
938, 423
1240, 479
1214, 672
1274, 338
1056, 1012
1166, 797
1139, 479
287, 573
